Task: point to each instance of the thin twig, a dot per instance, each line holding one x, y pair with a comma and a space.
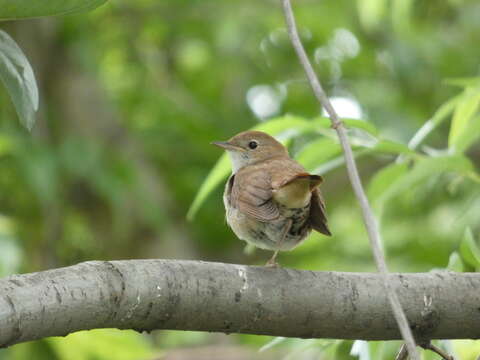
368, 217
436, 349
402, 353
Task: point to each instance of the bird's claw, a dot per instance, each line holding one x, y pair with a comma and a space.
272, 264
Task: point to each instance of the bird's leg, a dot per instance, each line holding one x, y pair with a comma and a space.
272, 262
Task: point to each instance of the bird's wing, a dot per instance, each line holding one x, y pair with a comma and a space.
227, 194
318, 217
292, 185
285, 171
291, 176
313, 180
252, 195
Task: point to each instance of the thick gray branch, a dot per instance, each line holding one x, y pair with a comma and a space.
192, 295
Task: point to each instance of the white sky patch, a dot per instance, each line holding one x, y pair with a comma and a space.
265, 101
344, 44
345, 107
360, 349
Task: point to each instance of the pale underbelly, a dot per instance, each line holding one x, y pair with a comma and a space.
268, 235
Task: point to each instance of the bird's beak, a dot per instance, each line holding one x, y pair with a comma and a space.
227, 146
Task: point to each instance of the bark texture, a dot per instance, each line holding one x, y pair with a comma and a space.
191, 295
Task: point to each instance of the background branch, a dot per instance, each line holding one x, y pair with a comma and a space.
368, 217
190, 295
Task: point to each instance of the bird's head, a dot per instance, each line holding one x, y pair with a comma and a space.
251, 147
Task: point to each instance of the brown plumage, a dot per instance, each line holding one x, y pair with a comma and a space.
270, 200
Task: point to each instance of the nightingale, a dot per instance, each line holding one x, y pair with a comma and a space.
270, 200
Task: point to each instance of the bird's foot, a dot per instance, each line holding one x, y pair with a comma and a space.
272, 263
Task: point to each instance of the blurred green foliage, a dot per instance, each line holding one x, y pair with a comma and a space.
132, 94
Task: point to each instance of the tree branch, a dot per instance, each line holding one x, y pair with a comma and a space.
368, 217
402, 353
429, 346
193, 295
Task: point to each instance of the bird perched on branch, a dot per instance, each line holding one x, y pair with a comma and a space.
270, 200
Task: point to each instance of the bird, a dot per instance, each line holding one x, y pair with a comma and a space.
270, 200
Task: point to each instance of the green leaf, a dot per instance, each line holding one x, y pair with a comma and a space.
317, 152
438, 117
274, 342
455, 262
423, 170
384, 178
445, 109
288, 122
377, 349
18, 78
218, 173
329, 163
392, 147
222, 168
464, 111
102, 344
469, 249
470, 135
363, 125
353, 123
20, 9
339, 161
463, 82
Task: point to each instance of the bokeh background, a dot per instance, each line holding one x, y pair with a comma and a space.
132, 94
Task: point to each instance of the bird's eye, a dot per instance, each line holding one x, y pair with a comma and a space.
252, 144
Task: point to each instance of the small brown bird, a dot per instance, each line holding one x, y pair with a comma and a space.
270, 200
